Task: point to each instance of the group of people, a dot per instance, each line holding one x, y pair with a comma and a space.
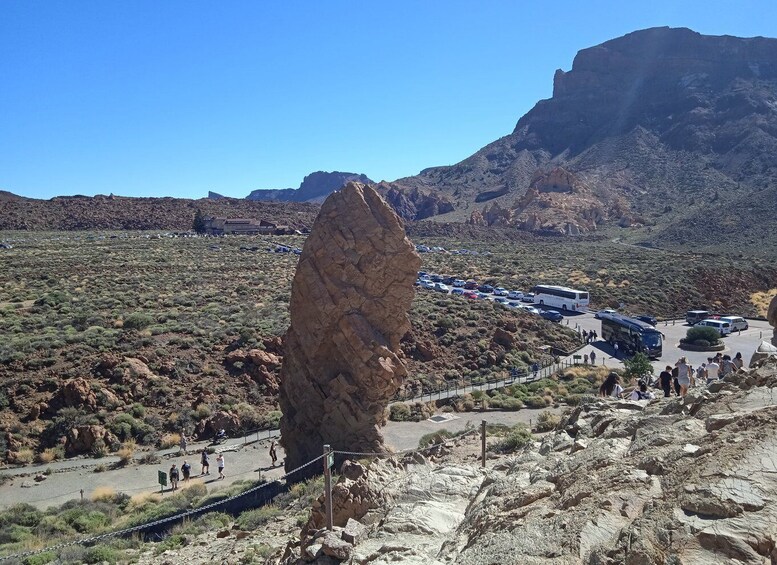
679, 378
590, 337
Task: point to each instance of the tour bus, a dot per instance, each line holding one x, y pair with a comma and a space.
631, 335
561, 297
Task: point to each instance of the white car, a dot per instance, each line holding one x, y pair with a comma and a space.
531, 310
427, 284
458, 283
440, 287
499, 291
514, 295
605, 311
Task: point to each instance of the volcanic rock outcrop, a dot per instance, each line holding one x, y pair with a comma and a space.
349, 302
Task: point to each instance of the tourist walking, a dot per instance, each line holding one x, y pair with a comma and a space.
593, 357
273, 455
186, 469
712, 370
665, 378
174, 477
683, 376
205, 462
585, 358
183, 443
220, 465
727, 366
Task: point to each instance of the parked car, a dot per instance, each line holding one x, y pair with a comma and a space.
528, 297
724, 328
482, 295
458, 291
647, 319
598, 315
514, 304
551, 315
427, 284
422, 274
500, 300
448, 280
531, 309
499, 291
515, 295
737, 322
471, 285
471, 294
436, 278
441, 287
693, 317
486, 288
458, 283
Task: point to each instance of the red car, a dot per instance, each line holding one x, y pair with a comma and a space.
470, 294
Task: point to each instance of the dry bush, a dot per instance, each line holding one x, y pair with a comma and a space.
143, 498
126, 452
47, 455
103, 494
170, 440
25, 456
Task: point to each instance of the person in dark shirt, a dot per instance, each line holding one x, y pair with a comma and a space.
666, 380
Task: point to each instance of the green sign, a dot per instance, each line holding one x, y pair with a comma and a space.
330, 460
162, 478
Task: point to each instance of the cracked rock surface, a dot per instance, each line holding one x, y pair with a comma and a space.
349, 302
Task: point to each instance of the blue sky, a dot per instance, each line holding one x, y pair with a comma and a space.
177, 98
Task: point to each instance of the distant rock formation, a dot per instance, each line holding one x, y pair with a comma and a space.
314, 187
414, 204
215, 195
349, 302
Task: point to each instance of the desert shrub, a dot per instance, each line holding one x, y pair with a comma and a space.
103, 494
399, 413
517, 437
547, 421
435, 437
253, 519
22, 514
702, 343
40, 559
137, 321
535, 401
102, 554
169, 440
25, 455
149, 458
126, 452
170, 542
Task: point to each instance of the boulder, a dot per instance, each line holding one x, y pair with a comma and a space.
83, 439
349, 302
220, 420
77, 393
763, 352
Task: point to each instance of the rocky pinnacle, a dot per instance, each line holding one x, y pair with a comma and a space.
349, 302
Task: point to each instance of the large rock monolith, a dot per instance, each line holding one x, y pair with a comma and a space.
772, 317
349, 302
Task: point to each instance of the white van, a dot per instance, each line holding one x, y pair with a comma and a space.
695, 316
737, 323
724, 328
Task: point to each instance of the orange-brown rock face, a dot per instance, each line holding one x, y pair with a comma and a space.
349, 302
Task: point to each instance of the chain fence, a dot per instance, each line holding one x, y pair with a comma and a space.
223, 502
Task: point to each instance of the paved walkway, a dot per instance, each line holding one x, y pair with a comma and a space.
245, 458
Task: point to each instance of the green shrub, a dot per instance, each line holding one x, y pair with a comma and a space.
702, 332
547, 421
40, 559
254, 519
435, 437
102, 554
399, 413
535, 401
137, 321
517, 437
702, 343
170, 542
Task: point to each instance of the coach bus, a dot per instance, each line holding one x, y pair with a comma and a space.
561, 297
631, 335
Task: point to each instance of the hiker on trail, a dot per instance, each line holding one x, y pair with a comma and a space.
183, 443
611, 387
205, 462
666, 380
174, 477
220, 463
585, 358
535, 368
273, 455
186, 469
683, 375
727, 366
593, 358
585, 336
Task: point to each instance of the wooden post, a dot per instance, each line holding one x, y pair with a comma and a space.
483, 443
82, 494
328, 486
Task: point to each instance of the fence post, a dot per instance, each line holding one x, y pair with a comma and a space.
483, 443
328, 487
82, 494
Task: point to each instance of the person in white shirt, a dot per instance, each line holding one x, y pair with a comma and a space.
611, 386
712, 370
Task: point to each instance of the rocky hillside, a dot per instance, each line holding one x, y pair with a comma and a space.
314, 187
120, 213
661, 127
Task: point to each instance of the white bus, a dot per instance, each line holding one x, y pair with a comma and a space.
561, 297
